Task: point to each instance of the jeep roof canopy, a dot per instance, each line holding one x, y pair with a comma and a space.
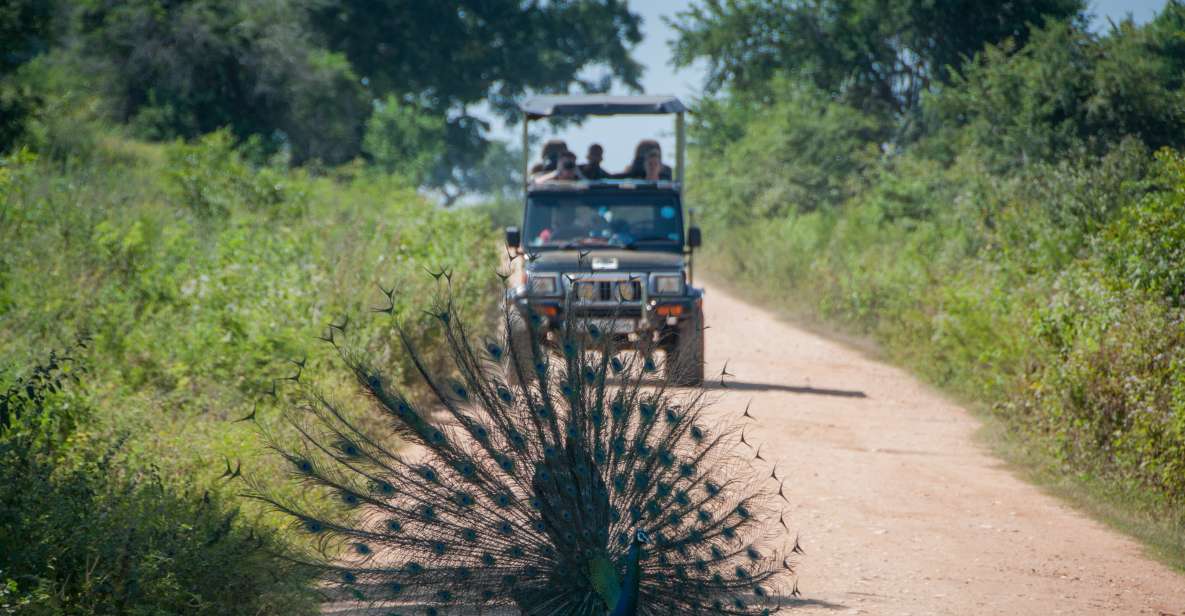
547, 106
540, 107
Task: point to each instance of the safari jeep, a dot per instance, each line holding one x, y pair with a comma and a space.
616, 254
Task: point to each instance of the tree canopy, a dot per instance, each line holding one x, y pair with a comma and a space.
307, 76
880, 55
25, 31
447, 55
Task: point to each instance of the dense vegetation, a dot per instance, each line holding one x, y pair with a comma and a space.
1002, 212
327, 81
196, 276
193, 189
83, 533
197, 189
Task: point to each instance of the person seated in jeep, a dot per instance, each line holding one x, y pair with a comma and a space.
549, 157
654, 167
566, 171
637, 168
592, 170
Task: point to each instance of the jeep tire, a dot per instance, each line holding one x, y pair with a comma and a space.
521, 351
685, 354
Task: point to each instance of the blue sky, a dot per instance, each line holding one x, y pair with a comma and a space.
618, 135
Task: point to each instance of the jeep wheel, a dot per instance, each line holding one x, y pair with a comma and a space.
685, 357
522, 352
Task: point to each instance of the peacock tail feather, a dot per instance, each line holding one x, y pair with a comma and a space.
520, 477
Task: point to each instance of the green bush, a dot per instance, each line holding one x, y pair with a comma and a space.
404, 139
84, 532
802, 153
198, 275
1050, 293
1146, 246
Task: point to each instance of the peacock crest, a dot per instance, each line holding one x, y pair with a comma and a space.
548, 474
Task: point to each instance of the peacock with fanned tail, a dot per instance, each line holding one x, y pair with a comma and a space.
544, 473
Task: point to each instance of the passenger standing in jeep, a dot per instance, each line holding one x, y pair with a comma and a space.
592, 169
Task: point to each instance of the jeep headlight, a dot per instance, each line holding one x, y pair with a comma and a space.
667, 284
543, 284
586, 291
628, 291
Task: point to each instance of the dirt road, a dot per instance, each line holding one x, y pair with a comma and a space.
900, 512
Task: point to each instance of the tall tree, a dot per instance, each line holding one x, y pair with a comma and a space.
1069, 89
307, 75
25, 31
445, 57
452, 54
880, 55
181, 68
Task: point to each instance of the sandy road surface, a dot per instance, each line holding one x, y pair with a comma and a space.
899, 511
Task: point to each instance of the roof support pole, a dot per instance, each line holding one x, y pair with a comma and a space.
680, 145
526, 152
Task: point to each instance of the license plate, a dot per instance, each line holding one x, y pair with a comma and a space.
613, 326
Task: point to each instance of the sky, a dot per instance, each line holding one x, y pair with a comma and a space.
619, 135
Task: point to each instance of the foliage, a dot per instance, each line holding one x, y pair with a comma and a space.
456, 54
1022, 247
404, 139
182, 69
1068, 89
198, 275
25, 32
305, 77
1145, 247
1048, 295
802, 153
466, 53
497, 175
27, 415
878, 57
81, 533
211, 178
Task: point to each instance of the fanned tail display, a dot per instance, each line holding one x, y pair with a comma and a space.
546, 473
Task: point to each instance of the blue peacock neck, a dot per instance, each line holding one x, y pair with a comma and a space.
627, 601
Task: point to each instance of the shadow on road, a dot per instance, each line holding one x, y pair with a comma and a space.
801, 602
794, 389
357, 609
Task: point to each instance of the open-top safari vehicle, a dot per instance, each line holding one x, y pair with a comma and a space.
615, 253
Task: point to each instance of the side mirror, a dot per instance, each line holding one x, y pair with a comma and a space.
513, 237
694, 237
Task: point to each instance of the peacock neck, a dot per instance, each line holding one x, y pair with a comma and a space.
627, 602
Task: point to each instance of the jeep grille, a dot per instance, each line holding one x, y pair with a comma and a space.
611, 290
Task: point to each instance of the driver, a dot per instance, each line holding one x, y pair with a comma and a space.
620, 229
586, 223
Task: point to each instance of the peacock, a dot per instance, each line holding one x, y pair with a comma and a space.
536, 471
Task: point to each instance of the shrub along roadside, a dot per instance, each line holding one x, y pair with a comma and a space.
199, 273
1050, 296
83, 532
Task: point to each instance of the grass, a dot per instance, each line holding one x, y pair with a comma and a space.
201, 276
1048, 296
1128, 509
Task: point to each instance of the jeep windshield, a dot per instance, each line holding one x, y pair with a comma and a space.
633, 221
